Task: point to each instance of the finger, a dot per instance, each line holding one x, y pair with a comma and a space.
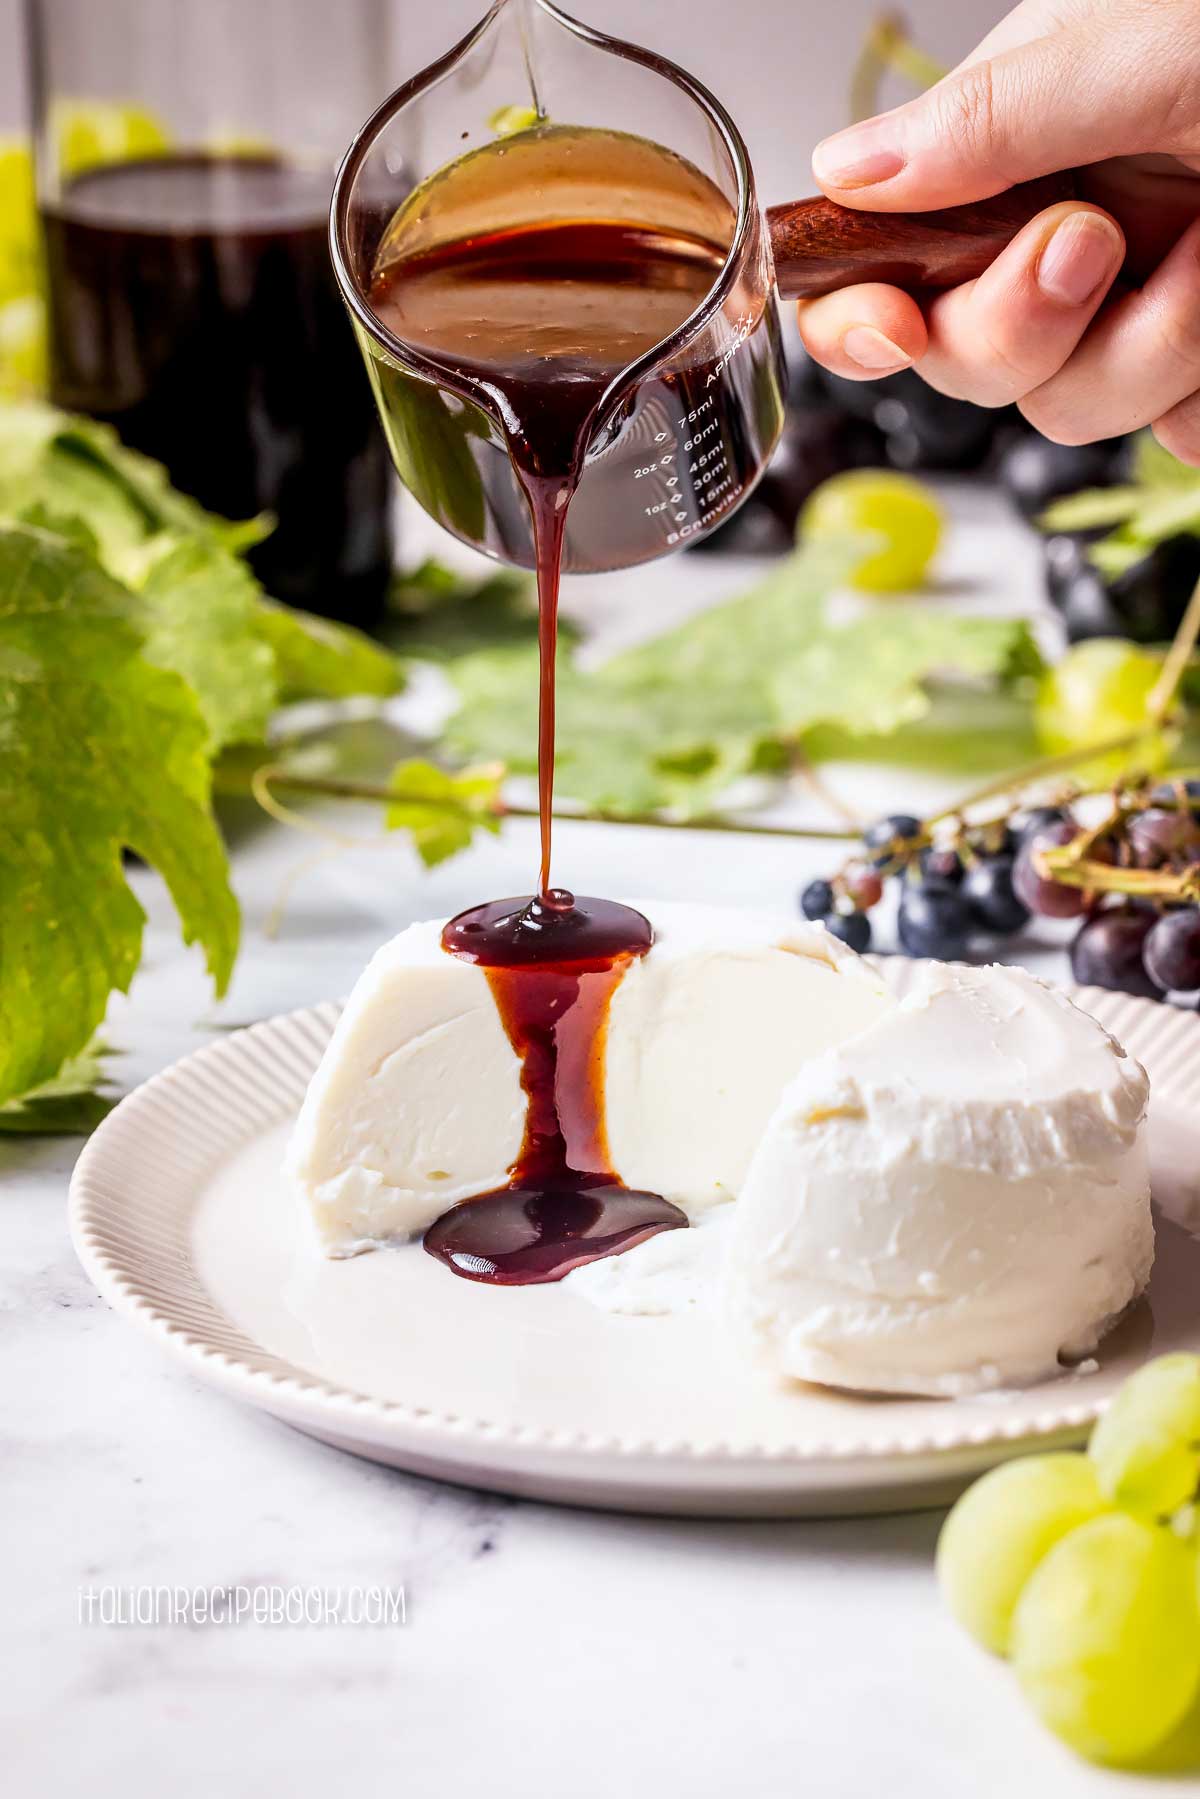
1179, 430
863, 332
996, 339
1139, 360
1077, 95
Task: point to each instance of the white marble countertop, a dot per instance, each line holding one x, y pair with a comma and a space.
546, 1651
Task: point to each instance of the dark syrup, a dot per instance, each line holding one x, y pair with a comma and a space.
192, 307
552, 964
533, 323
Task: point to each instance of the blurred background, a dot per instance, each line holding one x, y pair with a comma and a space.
781, 68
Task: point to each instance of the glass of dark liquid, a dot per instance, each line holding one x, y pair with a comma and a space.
186, 155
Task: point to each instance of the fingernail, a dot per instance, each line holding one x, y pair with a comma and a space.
858, 157
1083, 253
872, 350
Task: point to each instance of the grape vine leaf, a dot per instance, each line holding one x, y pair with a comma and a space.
1162, 501
440, 810
673, 722
201, 619
242, 654
69, 1105
102, 751
318, 659
77, 468
870, 676
435, 615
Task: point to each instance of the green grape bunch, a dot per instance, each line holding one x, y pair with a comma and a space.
1082, 1569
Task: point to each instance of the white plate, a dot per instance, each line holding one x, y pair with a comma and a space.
179, 1213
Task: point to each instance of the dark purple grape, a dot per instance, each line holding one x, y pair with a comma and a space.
816, 900
1038, 818
1064, 557
940, 868
1033, 471
1145, 602
988, 889
1108, 948
1048, 898
751, 530
921, 427
1156, 834
1168, 793
853, 928
933, 921
818, 441
897, 829
1089, 610
803, 379
1172, 950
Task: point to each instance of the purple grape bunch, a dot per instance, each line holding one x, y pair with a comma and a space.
950, 895
984, 886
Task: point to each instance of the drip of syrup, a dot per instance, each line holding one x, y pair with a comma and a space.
553, 964
533, 323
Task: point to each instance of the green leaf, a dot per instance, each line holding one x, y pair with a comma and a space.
675, 721
1163, 502
869, 677
1094, 506
1153, 466
27, 430
69, 1105
317, 659
202, 621
442, 811
74, 468
147, 486
1166, 512
100, 751
436, 616
1116, 553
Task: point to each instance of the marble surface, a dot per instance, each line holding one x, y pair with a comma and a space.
546, 1651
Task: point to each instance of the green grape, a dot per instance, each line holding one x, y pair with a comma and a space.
88, 133
1106, 1637
22, 347
19, 273
899, 520
1000, 1529
1099, 689
1146, 1447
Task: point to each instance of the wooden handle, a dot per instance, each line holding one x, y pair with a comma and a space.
819, 246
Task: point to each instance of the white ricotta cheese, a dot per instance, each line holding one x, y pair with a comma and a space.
951, 1201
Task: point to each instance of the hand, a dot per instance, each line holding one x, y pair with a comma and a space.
1110, 88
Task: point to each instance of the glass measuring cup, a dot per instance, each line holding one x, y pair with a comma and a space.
682, 434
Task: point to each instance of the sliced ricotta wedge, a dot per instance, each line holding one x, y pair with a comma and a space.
417, 1102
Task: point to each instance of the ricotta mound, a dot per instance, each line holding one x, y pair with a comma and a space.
956, 1199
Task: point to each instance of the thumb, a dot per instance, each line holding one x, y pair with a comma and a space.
1078, 96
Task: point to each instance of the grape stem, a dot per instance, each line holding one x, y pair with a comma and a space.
886, 47
1102, 877
276, 775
